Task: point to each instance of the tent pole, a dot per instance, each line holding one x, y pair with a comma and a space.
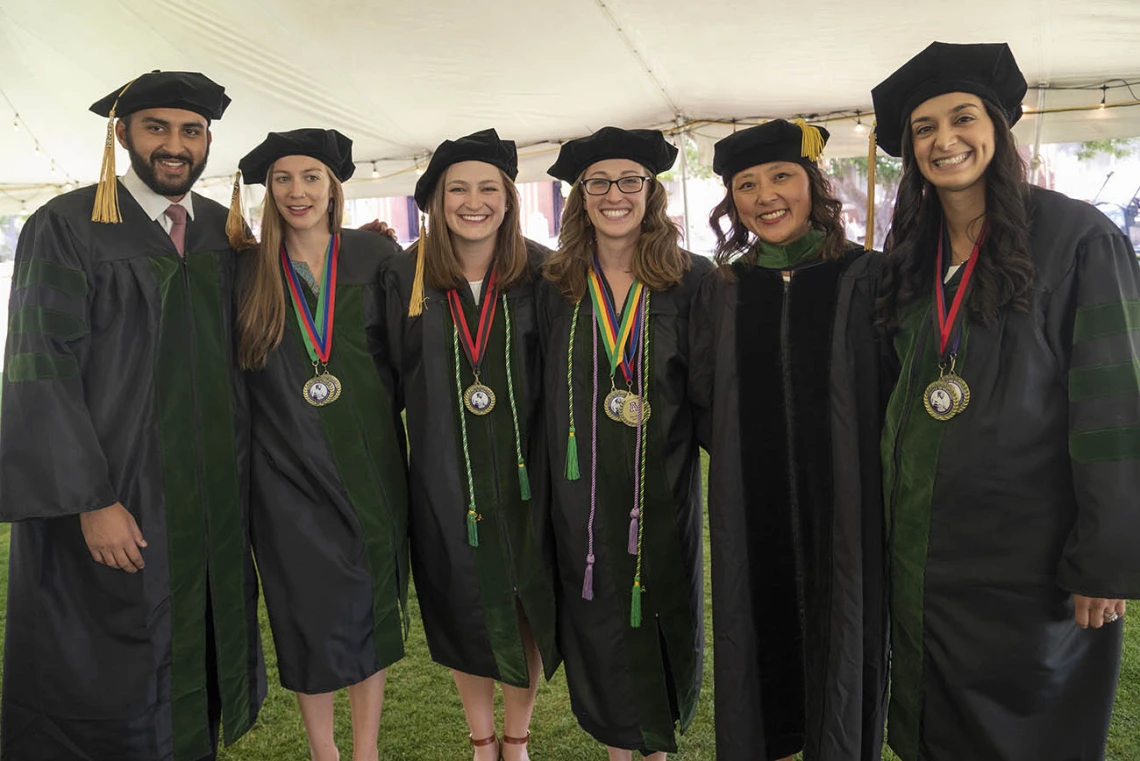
684, 184
1038, 127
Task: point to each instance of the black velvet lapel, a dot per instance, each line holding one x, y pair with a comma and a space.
790, 551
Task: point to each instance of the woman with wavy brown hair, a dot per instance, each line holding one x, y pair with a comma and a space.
1011, 449
794, 501
626, 508
464, 342
328, 491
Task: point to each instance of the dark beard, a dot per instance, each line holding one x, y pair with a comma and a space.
144, 168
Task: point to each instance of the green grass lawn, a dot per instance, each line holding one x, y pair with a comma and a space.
423, 719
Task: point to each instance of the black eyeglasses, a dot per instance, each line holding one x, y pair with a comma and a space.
599, 186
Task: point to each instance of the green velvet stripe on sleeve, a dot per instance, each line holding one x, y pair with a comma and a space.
1106, 319
1109, 380
72, 282
1105, 445
50, 322
32, 367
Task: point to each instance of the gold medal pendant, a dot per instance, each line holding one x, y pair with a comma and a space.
938, 398
960, 390
614, 402
479, 399
323, 388
635, 410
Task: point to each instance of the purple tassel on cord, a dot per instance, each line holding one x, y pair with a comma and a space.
588, 579
634, 514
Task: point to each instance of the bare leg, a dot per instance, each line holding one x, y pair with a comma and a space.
367, 701
620, 754
518, 703
317, 715
478, 696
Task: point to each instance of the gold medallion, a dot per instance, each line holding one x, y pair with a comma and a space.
323, 388
960, 390
479, 399
939, 400
613, 404
635, 410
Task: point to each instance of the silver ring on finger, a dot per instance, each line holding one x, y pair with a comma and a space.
1110, 616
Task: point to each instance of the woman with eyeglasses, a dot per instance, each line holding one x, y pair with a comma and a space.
626, 508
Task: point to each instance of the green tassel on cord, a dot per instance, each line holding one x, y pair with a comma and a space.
472, 529
572, 473
524, 482
635, 606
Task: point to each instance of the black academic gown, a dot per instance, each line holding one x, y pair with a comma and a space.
329, 497
785, 378
120, 385
629, 686
1000, 514
470, 597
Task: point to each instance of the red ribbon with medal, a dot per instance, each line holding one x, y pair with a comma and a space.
324, 387
478, 398
950, 394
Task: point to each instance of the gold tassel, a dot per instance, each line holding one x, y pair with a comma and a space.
416, 304
869, 240
811, 146
106, 208
241, 237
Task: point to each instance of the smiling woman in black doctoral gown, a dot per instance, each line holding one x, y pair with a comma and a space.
329, 491
1012, 513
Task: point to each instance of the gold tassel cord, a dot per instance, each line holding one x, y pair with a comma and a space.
106, 209
811, 146
416, 303
241, 237
869, 243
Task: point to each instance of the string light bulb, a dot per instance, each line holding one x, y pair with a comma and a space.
16, 123
860, 128
375, 171
1103, 94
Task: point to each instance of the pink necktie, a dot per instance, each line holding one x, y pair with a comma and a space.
177, 215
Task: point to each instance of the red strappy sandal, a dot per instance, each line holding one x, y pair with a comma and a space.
517, 740
482, 743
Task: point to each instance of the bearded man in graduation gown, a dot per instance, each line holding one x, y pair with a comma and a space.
132, 599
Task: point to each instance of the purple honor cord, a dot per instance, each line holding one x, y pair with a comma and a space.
588, 578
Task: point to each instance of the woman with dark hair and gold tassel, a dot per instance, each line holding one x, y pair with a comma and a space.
626, 508
328, 487
784, 379
461, 314
1011, 448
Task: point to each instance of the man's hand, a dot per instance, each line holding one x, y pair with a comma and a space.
113, 537
376, 226
1095, 612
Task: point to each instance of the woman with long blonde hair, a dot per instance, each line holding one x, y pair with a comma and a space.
464, 342
329, 490
626, 507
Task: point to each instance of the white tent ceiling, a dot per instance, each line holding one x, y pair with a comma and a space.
400, 77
